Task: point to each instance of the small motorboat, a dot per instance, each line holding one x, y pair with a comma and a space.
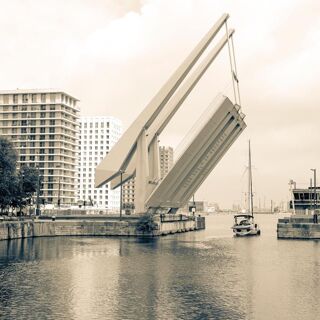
244, 225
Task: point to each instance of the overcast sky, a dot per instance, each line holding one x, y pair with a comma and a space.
115, 55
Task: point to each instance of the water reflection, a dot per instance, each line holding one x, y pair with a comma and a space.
202, 275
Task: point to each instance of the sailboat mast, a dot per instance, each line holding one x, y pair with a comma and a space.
250, 183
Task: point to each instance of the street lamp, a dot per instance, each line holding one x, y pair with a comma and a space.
38, 212
315, 217
58, 167
121, 172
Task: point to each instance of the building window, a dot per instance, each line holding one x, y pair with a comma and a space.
15, 98
52, 97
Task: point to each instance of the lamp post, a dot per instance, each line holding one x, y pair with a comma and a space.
314, 188
58, 167
121, 172
315, 217
38, 212
292, 185
59, 193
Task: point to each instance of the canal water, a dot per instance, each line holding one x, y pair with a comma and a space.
197, 275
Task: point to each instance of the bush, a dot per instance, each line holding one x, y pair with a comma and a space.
146, 224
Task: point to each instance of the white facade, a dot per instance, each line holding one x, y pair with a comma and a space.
43, 126
166, 160
97, 137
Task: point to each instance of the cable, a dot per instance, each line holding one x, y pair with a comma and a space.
230, 59
235, 69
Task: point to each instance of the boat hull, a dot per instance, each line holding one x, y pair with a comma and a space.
247, 234
246, 231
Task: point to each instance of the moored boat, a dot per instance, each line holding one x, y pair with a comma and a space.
244, 224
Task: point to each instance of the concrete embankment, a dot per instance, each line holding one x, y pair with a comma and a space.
298, 227
94, 227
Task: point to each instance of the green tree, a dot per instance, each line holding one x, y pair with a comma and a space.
25, 186
8, 161
16, 187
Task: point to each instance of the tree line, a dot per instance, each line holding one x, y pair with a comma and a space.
17, 186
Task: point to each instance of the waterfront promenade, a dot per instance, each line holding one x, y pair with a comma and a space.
98, 226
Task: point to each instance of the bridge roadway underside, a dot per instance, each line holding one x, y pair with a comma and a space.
200, 157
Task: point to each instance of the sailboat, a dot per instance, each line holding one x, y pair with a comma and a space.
244, 224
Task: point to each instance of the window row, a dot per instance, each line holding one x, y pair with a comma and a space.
95, 125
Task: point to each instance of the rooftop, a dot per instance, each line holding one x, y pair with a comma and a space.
50, 90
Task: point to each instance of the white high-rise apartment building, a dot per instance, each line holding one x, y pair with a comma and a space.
43, 125
97, 136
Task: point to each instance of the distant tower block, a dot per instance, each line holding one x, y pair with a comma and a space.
166, 160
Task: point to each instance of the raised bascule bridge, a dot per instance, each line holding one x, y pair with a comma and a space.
136, 154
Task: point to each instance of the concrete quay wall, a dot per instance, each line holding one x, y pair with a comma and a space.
38, 228
181, 226
298, 227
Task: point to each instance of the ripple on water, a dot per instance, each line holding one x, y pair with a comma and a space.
199, 275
